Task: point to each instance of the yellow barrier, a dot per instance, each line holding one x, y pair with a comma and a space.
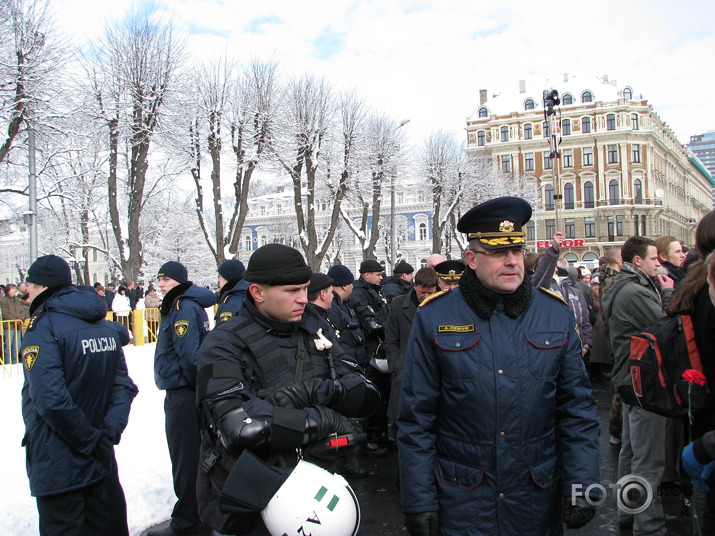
143, 324
10, 341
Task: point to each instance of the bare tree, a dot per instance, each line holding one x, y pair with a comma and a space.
243, 105
132, 73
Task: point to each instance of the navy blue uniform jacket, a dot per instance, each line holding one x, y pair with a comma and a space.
497, 419
76, 384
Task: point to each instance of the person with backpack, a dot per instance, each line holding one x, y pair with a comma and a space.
634, 302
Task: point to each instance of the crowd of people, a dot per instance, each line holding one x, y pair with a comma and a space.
476, 373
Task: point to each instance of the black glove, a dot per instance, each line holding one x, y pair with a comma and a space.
103, 448
296, 395
577, 515
354, 396
322, 422
422, 524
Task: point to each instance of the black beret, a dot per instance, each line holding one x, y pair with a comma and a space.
497, 223
403, 267
318, 282
276, 264
450, 270
370, 266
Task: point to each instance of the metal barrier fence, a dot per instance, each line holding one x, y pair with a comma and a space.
143, 324
10, 341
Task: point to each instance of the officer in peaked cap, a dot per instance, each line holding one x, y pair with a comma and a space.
495, 381
449, 273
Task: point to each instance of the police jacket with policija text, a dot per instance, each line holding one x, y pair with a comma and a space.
230, 302
497, 419
76, 386
184, 325
350, 334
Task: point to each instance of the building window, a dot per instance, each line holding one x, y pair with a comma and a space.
570, 228
568, 196
279, 209
550, 227
628, 95
422, 231
619, 225
643, 231
586, 96
529, 104
611, 122
264, 240
263, 210
636, 153
528, 131
506, 163
613, 154
587, 156
483, 112
504, 133
549, 200
566, 127
531, 230
588, 200
568, 157
635, 225
481, 138
634, 121
247, 243
589, 229
529, 162
611, 229
586, 125
567, 99
613, 193
548, 162
637, 194
546, 129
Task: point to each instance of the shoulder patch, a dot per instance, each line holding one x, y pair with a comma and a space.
554, 295
433, 297
181, 327
29, 356
225, 316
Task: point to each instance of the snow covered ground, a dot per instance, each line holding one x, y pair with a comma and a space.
142, 455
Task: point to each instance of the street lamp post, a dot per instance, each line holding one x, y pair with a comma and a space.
30, 217
393, 247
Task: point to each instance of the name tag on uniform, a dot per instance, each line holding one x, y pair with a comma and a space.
455, 329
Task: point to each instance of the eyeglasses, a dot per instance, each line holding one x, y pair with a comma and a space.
501, 254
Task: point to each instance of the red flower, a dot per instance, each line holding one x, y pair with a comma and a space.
694, 376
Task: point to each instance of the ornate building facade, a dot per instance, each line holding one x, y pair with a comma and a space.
620, 171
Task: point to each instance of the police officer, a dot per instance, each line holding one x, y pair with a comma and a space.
400, 282
184, 325
350, 334
449, 273
271, 383
232, 289
75, 404
497, 422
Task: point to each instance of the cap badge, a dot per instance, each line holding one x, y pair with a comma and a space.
506, 226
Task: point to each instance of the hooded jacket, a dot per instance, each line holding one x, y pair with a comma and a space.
230, 300
184, 325
76, 386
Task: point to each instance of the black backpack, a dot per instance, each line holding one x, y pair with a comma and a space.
666, 370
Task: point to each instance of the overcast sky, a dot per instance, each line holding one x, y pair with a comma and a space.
426, 60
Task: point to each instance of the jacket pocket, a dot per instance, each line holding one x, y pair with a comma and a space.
460, 494
459, 355
545, 496
545, 474
544, 348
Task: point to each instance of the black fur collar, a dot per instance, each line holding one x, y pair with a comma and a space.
484, 301
170, 299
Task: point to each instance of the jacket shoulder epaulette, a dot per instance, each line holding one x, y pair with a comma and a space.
433, 297
554, 295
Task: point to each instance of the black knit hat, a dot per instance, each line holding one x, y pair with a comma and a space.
50, 271
370, 266
403, 267
231, 270
276, 264
341, 275
174, 270
318, 282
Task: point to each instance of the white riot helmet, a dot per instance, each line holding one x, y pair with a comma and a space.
313, 501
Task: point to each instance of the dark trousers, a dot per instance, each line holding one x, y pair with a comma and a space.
82, 512
182, 436
117, 503
376, 425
